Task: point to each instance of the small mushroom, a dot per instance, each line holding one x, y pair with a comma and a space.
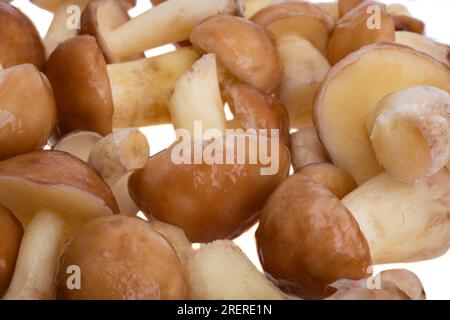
247, 50
93, 96
27, 110
11, 232
168, 22
307, 239
405, 280
51, 193
353, 31
209, 198
20, 41
403, 21
254, 110
349, 94
121, 258
336, 180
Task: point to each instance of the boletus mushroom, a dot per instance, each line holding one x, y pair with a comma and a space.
121, 258
27, 110
51, 193
307, 239
210, 196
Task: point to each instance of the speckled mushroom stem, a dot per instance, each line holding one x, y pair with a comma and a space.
34, 275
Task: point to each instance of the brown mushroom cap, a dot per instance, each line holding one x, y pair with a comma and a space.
347, 5
307, 239
100, 16
77, 71
407, 23
253, 110
56, 182
11, 232
335, 179
20, 41
27, 110
351, 31
305, 19
208, 201
121, 257
246, 49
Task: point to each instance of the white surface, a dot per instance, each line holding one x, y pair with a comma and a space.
434, 273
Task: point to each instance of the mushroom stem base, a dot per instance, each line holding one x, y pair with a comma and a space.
34, 275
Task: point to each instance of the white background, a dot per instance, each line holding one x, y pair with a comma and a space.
435, 274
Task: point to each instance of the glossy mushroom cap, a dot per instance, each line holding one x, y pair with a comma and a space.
253, 110
77, 71
307, 239
56, 182
208, 201
121, 258
27, 110
11, 232
20, 41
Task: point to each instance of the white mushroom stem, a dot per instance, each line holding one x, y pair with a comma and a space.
410, 132
34, 274
122, 195
197, 100
169, 22
118, 153
141, 89
306, 148
65, 23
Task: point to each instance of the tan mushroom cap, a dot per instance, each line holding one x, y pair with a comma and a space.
20, 41
11, 232
246, 49
122, 258
307, 20
101, 16
347, 5
407, 23
55, 182
208, 201
307, 239
77, 71
253, 110
27, 110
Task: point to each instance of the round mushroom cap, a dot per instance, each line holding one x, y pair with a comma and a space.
77, 71
208, 200
11, 232
246, 49
27, 110
20, 41
56, 182
307, 239
253, 110
121, 258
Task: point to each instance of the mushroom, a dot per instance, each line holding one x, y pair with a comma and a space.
247, 50
20, 41
221, 271
350, 92
406, 281
354, 31
11, 232
210, 198
254, 111
306, 148
403, 21
51, 193
410, 223
304, 19
78, 143
336, 180
304, 68
345, 6
168, 22
361, 290
410, 132
120, 258
307, 239
27, 110
93, 96
424, 44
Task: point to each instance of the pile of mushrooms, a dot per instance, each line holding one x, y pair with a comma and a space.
351, 168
